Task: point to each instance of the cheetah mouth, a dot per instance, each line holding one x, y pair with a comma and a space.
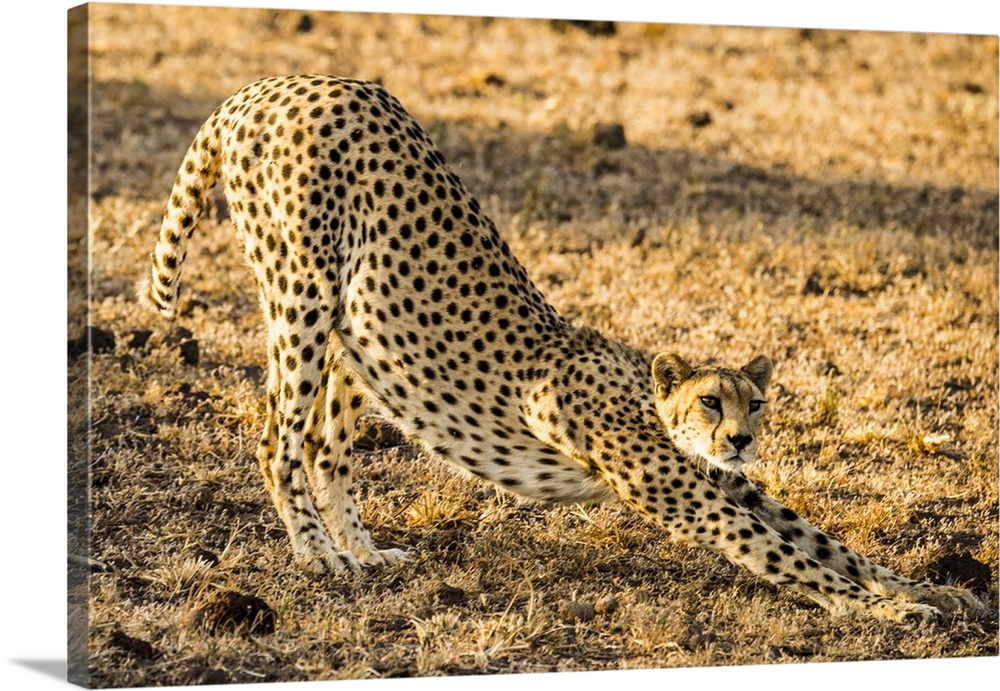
736, 460
731, 463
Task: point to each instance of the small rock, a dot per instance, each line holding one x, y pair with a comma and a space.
448, 595
209, 676
252, 373
640, 235
606, 167
591, 27
139, 338
137, 647
305, 25
495, 80
230, 611
812, 286
179, 334
960, 569
203, 499
606, 605
97, 340
189, 352
609, 135
700, 119
572, 612
204, 555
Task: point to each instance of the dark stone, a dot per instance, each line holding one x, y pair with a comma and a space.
208, 676
139, 338
134, 646
606, 605
204, 497
230, 611
572, 612
179, 334
591, 27
254, 373
958, 569
98, 341
189, 352
449, 595
812, 286
305, 25
700, 119
609, 135
204, 555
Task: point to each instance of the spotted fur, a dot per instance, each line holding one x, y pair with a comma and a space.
382, 279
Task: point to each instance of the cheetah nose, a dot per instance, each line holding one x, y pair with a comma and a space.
740, 441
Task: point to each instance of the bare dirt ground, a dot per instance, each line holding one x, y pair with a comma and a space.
827, 198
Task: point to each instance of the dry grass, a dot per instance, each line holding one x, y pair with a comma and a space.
838, 213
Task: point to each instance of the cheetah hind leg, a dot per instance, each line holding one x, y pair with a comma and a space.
281, 454
328, 462
292, 393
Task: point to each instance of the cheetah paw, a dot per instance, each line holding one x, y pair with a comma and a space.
334, 561
949, 599
914, 612
381, 557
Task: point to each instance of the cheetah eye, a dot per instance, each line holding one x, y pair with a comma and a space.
711, 402
755, 405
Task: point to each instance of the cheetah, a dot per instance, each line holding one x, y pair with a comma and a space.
382, 280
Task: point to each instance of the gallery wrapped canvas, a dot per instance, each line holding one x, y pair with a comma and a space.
408, 345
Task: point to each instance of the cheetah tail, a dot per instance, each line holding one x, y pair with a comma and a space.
197, 174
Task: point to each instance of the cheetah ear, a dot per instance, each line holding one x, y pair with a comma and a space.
759, 371
669, 370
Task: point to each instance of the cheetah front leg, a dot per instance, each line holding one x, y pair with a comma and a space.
837, 556
694, 510
328, 463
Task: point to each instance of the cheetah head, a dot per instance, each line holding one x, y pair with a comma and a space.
711, 413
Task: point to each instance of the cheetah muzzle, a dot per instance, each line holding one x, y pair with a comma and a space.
381, 279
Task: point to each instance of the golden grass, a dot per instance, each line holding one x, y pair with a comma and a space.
839, 214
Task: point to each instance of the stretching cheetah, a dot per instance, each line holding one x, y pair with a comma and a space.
381, 278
